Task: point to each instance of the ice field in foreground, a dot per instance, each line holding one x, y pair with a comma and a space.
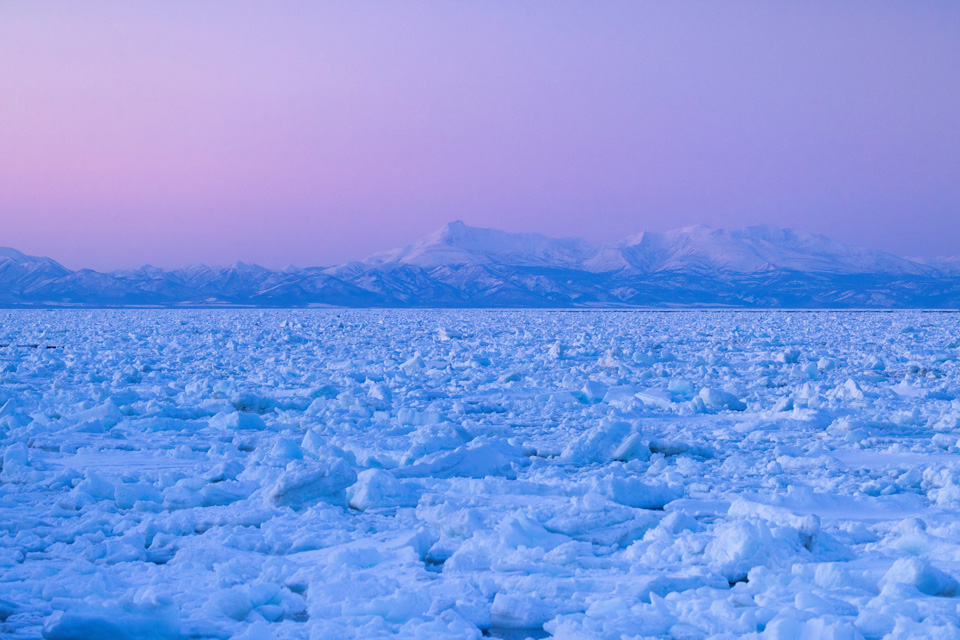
455, 474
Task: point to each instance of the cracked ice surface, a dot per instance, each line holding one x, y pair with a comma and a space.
453, 474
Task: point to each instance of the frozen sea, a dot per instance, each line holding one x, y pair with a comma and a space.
334, 474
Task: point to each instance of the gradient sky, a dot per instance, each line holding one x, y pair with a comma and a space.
310, 133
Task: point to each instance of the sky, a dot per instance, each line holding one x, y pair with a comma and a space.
297, 133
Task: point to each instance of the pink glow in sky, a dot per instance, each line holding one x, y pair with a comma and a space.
310, 133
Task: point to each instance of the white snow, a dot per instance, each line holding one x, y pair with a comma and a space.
467, 474
692, 249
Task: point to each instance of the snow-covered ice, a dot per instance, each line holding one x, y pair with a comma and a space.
467, 474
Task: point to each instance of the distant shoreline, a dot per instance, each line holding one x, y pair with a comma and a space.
482, 309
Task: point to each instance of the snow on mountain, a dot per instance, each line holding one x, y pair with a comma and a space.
460, 265
457, 244
7, 253
12, 256
696, 249
20, 273
759, 248
949, 265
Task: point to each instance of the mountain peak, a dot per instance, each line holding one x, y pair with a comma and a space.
698, 229
8, 253
456, 226
458, 231
696, 249
459, 244
462, 265
31, 262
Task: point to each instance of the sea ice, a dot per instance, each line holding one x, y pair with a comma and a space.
324, 474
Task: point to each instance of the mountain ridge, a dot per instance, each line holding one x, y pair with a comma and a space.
464, 266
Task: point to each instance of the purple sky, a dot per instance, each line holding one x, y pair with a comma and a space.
310, 133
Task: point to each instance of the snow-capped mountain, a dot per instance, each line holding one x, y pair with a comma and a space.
755, 249
459, 245
22, 274
695, 249
949, 265
460, 265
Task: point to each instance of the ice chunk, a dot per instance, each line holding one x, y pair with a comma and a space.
107, 414
306, 482
128, 494
789, 356
377, 488
594, 391
154, 618
681, 387
413, 365
286, 449
7, 608
658, 398
16, 464
408, 416
716, 399
633, 492
920, 574
556, 350
237, 420
851, 389
739, 546
595, 519
632, 448
226, 470
234, 603
476, 460
525, 611
607, 441
621, 396
95, 486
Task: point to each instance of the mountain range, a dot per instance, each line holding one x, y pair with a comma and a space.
464, 266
